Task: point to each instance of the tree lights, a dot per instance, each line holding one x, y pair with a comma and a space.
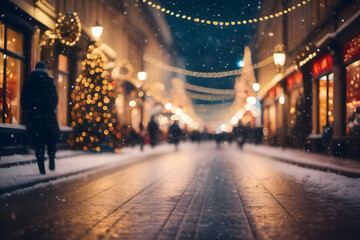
93, 117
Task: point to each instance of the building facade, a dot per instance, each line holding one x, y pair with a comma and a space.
312, 100
27, 35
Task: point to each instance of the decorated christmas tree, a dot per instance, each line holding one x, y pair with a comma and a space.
93, 116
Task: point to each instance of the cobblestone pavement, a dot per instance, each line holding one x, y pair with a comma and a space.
204, 194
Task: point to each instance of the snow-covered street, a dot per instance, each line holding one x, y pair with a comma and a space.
198, 192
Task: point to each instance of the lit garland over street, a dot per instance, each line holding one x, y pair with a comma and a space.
235, 22
237, 72
209, 90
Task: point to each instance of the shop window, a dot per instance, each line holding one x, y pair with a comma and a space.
352, 97
11, 66
272, 119
15, 42
62, 89
295, 98
2, 35
326, 96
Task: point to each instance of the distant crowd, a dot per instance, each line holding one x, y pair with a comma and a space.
153, 136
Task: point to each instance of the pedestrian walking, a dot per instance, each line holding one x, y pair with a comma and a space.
142, 135
153, 129
39, 100
174, 134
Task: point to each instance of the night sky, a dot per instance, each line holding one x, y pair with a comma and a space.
209, 48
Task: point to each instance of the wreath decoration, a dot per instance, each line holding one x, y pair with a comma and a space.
68, 28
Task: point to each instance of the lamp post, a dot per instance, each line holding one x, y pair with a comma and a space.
279, 57
142, 77
97, 30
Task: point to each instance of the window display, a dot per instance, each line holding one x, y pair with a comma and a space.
326, 104
62, 89
353, 98
13, 69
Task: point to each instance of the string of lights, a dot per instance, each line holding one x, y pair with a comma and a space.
209, 90
236, 72
210, 97
222, 23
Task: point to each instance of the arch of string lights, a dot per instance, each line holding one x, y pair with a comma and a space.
235, 22
236, 72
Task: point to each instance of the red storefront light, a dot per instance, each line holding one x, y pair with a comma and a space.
294, 80
323, 64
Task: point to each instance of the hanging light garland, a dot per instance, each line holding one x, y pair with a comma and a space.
237, 72
209, 90
223, 23
210, 97
68, 28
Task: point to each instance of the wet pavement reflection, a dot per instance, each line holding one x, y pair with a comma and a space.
191, 194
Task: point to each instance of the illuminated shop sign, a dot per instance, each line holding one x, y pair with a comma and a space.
294, 80
352, 48
321, 65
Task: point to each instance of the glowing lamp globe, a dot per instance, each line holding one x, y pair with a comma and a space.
97, 30
256, 87
279, 59
142, 76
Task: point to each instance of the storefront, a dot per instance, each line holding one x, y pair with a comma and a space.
295, 92
323, 94
352, 64
12, 59
20, 49
273, 115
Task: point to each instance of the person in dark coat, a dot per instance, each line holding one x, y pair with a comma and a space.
174, 134
153, 129
39, 100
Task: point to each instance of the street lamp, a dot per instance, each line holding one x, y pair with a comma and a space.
142, 76
97, 30
256, 87
132, 103
282, 100
168, 106
279, 57
251, 100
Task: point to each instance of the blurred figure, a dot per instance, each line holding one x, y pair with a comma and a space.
142, 135
195, 136
218, 139
174, 134
153, 129
240, 134
133, 137
39, 100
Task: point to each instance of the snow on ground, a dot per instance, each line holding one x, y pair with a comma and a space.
301, 156
313, 180
323, 182
24, 174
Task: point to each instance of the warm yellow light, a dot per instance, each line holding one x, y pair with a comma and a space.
168, 106
97, 30
251, 100
279, 58
132, 103
282, 100
142, 76
234, 120
178, 111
